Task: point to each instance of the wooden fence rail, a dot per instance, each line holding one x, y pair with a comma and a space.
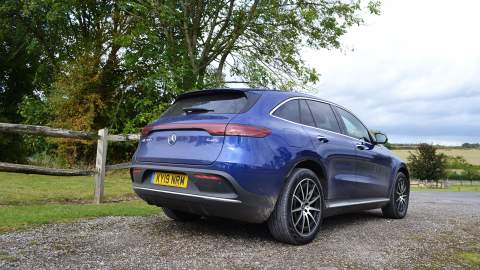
101, 167
19, 168
46, 131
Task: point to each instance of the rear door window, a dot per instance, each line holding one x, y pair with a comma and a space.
289, 111
212, 103
305, 114
323, 115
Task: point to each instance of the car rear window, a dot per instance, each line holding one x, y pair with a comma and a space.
289, 111
212, 103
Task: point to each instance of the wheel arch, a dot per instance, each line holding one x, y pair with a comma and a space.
404, 169
317, 168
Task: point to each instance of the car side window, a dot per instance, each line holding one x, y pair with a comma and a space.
353, 126
289, 111
305, 114
323, 116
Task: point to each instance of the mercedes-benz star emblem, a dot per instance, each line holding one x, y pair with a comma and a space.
172, 139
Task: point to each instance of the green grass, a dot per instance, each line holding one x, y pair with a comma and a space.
472, 258
21, 189
30, 200
24, 216
452, 188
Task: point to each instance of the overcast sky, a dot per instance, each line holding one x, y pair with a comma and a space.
412, 72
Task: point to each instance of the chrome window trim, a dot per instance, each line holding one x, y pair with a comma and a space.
189, 195
318, 100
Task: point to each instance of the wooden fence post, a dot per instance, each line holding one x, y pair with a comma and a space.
101, 161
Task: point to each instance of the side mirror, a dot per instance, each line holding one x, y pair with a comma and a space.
380, 138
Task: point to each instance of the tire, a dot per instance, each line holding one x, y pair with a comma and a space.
180, 215
293, 212
398, 205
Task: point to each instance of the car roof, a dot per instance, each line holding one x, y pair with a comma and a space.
275, 92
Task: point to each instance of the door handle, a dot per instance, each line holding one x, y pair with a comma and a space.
361, 146
322, 139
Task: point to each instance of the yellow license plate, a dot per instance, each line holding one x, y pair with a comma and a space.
170, 179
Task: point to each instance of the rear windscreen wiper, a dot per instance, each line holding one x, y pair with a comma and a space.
196, 110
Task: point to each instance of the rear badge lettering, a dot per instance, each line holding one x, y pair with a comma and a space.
212, 140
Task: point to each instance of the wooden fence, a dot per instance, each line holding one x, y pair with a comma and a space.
102, 138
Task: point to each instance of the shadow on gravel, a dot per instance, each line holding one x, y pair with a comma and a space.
345, 219
217, 227
350, 219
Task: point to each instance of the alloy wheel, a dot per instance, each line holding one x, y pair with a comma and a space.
401, 195
306, 207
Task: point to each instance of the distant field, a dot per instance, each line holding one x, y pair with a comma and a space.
471, 155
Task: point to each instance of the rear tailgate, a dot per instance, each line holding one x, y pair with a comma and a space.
183, 143
192, 131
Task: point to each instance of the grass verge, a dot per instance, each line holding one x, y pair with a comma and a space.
28, 200
25, 189
452, 188
23, 216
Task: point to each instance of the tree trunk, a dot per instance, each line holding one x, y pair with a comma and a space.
189, 81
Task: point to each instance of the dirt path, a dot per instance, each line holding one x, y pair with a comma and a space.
437, 233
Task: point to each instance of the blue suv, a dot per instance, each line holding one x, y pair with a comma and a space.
288, 159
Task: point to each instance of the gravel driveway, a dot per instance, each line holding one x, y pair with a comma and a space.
438, 227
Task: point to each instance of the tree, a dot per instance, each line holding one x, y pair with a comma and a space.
426, 164
195, 44
22, 72
78, 41
471, 145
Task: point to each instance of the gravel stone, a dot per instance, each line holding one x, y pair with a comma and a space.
437, 227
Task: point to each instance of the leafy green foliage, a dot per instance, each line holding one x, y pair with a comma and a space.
471, 145
462, 170
457, 162
426, 164
258, 41
21, 73
469, 174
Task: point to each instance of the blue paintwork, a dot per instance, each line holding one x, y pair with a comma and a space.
192, 147
261, 165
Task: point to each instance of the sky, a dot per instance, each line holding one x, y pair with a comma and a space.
413, 72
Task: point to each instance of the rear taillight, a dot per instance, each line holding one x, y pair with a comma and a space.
144, 132
247, 131
213, 129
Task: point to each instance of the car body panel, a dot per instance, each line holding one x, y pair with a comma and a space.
257, 168
374, 169
196, 147
337, 157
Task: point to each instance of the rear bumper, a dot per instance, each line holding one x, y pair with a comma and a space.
239, 204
